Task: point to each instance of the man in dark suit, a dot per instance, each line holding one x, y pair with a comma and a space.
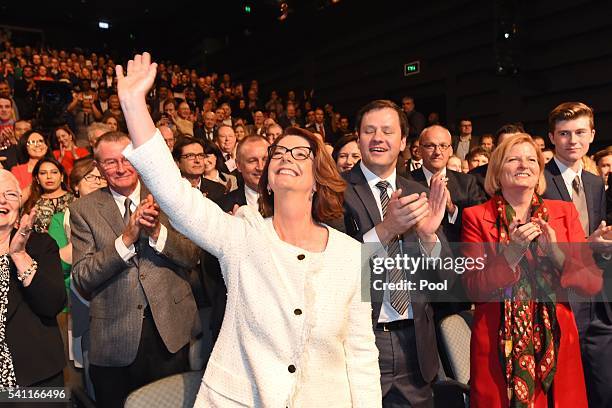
435, 149
207, 132
322, 127
289, 118
251, 156
189, 156
134, 266
571, 131
375, 212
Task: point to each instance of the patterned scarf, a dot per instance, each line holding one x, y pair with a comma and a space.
529, 332
7, 372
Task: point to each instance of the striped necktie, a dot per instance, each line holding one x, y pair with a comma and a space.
400, 299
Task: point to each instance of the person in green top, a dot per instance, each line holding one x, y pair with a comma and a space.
84, 179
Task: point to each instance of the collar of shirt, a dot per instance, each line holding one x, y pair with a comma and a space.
429, 174
251, 196
466, 138
120, 199
372, 179
568, 174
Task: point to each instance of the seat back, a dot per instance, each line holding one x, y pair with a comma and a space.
177, 391
455, 333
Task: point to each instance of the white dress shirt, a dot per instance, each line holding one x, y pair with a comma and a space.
387, 312
568, 175
251, 197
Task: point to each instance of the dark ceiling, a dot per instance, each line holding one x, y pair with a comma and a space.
180, 30
172, 29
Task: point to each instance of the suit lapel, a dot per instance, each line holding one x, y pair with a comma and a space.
108, 209
364, 193
559, 182
418, 175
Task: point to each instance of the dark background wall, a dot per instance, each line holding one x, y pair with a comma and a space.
351, 54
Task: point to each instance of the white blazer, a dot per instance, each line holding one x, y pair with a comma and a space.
296, 332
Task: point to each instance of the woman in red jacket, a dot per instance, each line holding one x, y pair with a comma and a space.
525, 352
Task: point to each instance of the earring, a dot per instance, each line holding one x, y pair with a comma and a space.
269, 190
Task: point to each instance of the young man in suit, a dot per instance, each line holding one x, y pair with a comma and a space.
377, 211
571, 131
134, 266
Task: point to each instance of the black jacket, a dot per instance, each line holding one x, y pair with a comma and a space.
32, 333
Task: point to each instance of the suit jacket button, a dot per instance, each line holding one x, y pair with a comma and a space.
301, 257
142, 276
297, 312
139, 306
291, 369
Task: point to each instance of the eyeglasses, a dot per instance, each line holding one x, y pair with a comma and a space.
193, 156
432, 147
35, 142
298, 153
113, 164
92, 178
11, 195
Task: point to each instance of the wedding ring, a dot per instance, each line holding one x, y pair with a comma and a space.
23, 233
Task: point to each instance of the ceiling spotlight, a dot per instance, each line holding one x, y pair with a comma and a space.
506, 35
103, 25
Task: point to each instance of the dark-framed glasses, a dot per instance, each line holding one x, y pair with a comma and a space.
92, 178
431, 147
193, 156
277, 152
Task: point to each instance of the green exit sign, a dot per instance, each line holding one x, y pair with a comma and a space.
412, 68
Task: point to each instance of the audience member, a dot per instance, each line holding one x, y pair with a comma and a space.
68, 151
132, 264
189, 155
374, 211
464, 142
32, 294
416, 120
478, 156
33, 146
341, 367
571, 131
603, 159
521, 326
346, 152
49, 192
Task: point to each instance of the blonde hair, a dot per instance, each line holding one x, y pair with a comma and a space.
589, 165
496, 163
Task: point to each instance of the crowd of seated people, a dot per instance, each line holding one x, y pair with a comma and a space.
129, 273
